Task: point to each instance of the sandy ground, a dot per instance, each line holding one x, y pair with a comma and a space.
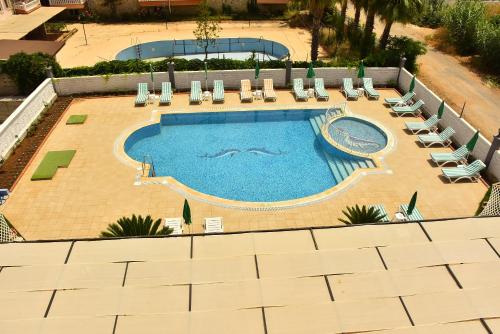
106, 40
452, 81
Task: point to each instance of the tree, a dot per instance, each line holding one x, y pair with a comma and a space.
374, 7
397, 11
341, 23
207, 28
363, 215
316, 9
29, 70
358, 5
134, 227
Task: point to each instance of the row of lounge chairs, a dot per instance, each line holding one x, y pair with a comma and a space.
403, 209
351, 93
211, 225
433, 138
143, 95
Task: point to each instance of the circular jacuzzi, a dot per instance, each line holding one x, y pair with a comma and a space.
355, 135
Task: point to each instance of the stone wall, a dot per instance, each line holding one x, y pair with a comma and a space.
8, 86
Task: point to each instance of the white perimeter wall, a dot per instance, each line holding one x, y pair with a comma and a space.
464, 131
15, 126
232, 78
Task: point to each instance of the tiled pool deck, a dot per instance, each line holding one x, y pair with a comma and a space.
97, 188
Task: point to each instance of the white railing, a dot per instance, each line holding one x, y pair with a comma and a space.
15, 126
26, 6
66, 2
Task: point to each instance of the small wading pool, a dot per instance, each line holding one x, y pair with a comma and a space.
254, 156
232, 48
358, 135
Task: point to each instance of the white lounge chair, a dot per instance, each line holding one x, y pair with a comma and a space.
269, 93
298, 90
166, 93
319, 89
381, 209
369, 90
471, 172
142, 94
175, 224
413, 110
246, 91
214, 225
195, 96
415, 214
399, 101
428, 125
218, 93
443, 138
458, 156
348, 89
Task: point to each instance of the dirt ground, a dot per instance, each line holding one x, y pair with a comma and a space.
453, 81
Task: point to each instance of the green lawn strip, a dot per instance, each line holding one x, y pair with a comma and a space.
52, 160
76, 119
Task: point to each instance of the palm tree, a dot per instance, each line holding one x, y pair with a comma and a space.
397, 11
363, 215
374, 6
358, 5
135, 226
316, 8
341, 23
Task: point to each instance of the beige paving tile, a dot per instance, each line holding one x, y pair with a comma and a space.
463, 230
468, 251
391, 283
283, 242
319, 263
369, 236
97, 325
494, 324
63, 276
16, 254
23, 305
130, 250
248, 321
477, 275
220, 246
466, 327
122, 301
441, 307
257, 293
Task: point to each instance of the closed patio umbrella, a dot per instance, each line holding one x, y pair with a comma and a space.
152, 77
411, 205
472, 142
412, 84
186, 214
257, 72
361, 71
441, 110
310, 73
206, 75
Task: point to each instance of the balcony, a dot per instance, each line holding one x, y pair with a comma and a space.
25, 7
72, 4
167, 3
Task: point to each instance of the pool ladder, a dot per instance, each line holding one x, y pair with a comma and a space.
138, 49
148, 166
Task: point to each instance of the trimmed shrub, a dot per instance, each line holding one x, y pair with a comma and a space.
396, 47
28, 71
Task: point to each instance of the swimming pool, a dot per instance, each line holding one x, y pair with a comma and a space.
358, 135
232, 48
252, 156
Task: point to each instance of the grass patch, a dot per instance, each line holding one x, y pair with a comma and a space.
76, 119
51, 162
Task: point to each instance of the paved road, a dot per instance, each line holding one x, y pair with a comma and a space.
454, 82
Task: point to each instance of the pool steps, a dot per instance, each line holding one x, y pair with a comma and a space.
340, 167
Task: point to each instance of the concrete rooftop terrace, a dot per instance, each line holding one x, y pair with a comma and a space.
433, 277
98, 187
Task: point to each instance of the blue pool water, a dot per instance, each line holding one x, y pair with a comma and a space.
233, 48
358, 135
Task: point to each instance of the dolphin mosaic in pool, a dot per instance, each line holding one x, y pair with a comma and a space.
355, 141
232, 151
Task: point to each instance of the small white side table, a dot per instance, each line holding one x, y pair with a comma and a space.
206, 95
361, 91
400, 217
310, 92
258, 94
